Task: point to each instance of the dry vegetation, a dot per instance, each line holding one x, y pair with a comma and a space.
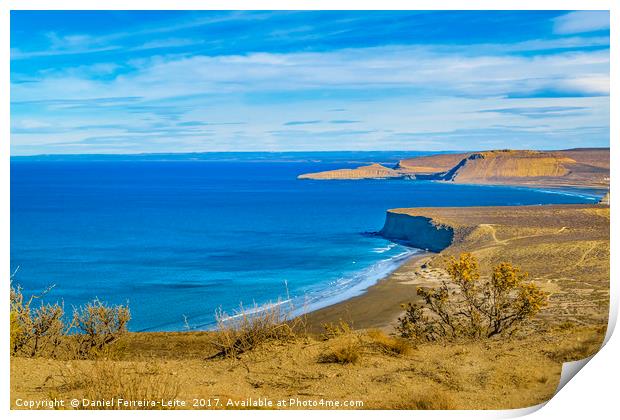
268, 355
246, 330
38, 329
104, 380
470, 307
380, 370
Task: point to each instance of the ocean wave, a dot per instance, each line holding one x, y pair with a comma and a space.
381, 250
569, 192
351, 285
573, 194
254, 310
334, 292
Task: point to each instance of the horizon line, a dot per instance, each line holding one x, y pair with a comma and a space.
297, 151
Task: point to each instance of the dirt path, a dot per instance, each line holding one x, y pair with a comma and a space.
493, 233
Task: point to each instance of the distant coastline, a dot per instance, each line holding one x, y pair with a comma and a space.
560, 172
386, 157
561, 168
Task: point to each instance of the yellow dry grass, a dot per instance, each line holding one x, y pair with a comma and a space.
490, 374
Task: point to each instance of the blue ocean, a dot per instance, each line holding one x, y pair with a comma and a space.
180, 237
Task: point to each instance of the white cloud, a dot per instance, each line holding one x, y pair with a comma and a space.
447, 73
403, 89
29, 124
76, 44
581, 21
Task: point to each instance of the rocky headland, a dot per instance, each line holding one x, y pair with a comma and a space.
565, 248
374, 171
574, 167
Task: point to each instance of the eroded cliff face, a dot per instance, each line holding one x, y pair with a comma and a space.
497, 165
431, 165
417, 231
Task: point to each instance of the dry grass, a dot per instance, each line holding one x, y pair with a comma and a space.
494, 374
577, 350
385, 344
344, 353
247, 330
433, 401
427, 400
336, 329
114, 382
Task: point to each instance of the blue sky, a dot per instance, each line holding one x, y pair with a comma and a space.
136, 82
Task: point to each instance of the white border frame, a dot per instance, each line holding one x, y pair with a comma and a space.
592, 394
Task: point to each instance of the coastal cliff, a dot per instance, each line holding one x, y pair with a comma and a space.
506, 164
574, 167
562, 246
429, 165
418, 231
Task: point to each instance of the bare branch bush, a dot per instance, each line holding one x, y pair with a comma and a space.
246, 330
34, 330
38, 329
98, 326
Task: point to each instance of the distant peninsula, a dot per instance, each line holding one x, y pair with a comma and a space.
587, 167
374, 171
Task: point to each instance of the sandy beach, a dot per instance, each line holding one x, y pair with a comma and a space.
378, 306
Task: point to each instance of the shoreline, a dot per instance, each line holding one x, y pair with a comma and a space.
378, 306
298, 309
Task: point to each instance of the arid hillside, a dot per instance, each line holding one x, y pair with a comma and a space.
431, 164
598, 158
363, 172
524, 166
574, 167
497, 165
564, 248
